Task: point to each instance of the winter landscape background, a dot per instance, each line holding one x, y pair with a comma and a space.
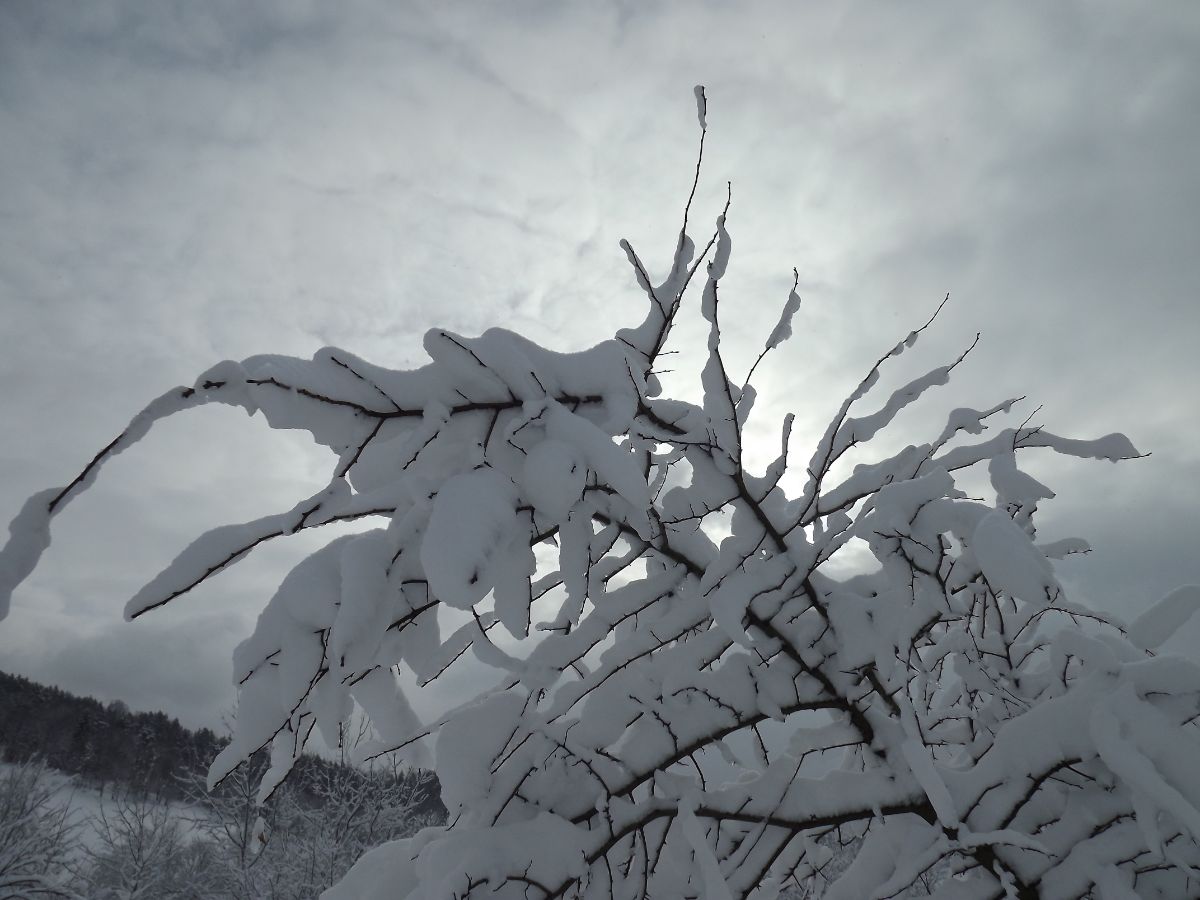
103, 802
185, 186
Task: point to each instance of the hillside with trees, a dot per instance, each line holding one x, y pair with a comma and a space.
110, 748
105, 745
97, 801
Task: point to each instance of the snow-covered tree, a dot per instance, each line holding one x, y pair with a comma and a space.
141, 851
233, 823
339, 814
693, 703
309, 833
37, 834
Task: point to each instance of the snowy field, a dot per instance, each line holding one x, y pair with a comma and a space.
87, 808
61, 838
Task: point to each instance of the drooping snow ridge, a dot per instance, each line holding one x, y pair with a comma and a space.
29, 536
1152, 628
690, 700
783, 328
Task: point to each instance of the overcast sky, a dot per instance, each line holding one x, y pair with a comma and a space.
182, 183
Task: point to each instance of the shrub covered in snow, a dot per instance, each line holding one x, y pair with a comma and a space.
950, 710
37, 834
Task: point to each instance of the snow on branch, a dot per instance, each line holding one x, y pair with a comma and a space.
682, 711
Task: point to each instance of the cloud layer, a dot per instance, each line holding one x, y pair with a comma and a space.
182, 183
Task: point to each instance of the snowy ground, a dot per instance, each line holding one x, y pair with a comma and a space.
88, 805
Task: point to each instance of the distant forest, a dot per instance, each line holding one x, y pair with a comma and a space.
108, 745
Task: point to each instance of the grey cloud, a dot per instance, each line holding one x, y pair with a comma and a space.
174, 664
181, 184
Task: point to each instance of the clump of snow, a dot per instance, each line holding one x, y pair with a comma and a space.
783, 328
1153, 627
1011, 562
472, 515
29, 536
